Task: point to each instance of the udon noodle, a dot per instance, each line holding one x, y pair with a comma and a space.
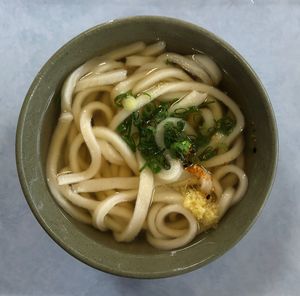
146, 142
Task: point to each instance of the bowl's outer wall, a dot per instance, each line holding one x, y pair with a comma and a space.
39, 114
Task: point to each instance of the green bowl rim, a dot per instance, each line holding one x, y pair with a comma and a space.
20, 128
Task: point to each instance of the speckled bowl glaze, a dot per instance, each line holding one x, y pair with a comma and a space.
138, 259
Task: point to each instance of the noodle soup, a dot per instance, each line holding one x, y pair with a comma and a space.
146, 142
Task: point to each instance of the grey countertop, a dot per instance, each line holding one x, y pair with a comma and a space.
267, 260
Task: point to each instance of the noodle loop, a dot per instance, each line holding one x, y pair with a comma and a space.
146, 142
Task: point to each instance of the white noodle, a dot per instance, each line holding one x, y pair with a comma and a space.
96, 178
188, 65
80, 98
91, 142
173, 243
159, 75
104, 67
209, 66
194, 98
208, 118
118, 143
243, 180
103, 184
108, 78
226, 157
71, 81
152, 66
127, 84
141, 207
154, 49
52, 163
136, 61
125, 51
103, 208
110, 153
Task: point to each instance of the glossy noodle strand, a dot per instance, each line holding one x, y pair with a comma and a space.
147, 142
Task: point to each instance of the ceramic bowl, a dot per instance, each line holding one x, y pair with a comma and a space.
39, 115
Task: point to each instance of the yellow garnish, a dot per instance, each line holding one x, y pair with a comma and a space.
204, 208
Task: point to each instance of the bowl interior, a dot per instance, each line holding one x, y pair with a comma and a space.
39, 115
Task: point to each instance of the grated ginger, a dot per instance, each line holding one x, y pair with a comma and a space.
205, 210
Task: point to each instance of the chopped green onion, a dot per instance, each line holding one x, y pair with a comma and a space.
208, 153
118, 99
225, 125
129, 103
